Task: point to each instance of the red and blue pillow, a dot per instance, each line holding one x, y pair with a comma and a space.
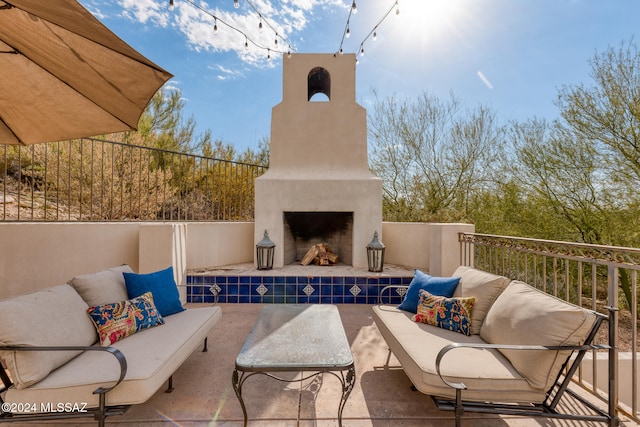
453, 314
119, 320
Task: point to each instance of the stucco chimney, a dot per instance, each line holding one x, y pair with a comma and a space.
318, 159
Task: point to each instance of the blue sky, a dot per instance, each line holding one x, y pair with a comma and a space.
509, 55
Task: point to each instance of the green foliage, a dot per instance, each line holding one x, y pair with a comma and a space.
153, 173
431, 156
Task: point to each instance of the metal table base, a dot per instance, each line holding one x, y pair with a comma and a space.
296, 338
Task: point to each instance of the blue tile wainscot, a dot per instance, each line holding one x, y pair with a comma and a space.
290, 289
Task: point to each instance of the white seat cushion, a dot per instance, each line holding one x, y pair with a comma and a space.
524, 315
485, 287
49, 317
152, 356
103, 287
487, 374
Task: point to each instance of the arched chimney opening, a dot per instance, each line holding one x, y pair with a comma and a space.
318, 81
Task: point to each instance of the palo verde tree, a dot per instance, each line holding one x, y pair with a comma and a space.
606, 116
432, 156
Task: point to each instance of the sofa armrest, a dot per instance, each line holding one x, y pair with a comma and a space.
388, 290
112, 350
452, 346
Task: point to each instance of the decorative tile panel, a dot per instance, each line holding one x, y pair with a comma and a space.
292, 289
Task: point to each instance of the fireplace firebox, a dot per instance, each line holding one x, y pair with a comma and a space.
303, 230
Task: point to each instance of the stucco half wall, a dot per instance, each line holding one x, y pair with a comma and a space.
40, 255
431, 247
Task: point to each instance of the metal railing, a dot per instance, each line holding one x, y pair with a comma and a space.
592, 276
96, 180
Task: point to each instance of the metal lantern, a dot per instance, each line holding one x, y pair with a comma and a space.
264, 252
375, 254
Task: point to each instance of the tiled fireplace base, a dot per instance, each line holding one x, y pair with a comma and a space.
340, 287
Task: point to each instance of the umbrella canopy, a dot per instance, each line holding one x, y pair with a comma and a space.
64, 75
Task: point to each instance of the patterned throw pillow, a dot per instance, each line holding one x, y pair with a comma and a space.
453, 314
120, 319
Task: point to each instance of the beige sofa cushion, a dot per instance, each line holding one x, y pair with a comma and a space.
153, 355
49, 317
487, 374
485, 287
103, 287
524, 315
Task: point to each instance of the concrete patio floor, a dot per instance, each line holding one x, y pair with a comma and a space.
382, 397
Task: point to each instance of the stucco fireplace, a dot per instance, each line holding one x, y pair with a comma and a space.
318, 188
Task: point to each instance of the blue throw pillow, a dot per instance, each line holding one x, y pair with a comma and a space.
441, 286
161, 285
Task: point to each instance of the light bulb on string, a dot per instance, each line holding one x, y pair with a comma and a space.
275, 41
269, 54
348, 33
171, 5
246, 43
341, 51
215, 26
362, 51
375, 36
397, 9
289, 52
354, 8
236, 4
260, 24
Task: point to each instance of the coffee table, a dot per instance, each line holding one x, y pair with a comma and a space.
306, 338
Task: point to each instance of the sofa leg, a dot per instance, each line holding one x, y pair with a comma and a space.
102, 407
170, 385
204, 350
459, 408
388, 359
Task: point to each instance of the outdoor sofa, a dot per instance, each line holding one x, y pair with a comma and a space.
142, 342
513, 352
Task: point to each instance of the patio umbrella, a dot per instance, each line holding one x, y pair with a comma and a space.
64, 75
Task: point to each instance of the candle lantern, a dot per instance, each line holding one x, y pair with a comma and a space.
375, 254
264, 252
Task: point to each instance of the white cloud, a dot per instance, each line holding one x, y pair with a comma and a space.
145, 11
287, 18
225, 73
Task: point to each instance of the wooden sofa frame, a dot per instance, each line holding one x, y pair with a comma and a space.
548, 409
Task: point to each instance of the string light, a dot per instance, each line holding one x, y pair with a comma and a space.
374, 32
171, 5
268, 24
347, 30
260, 24
247, 39
236, 4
